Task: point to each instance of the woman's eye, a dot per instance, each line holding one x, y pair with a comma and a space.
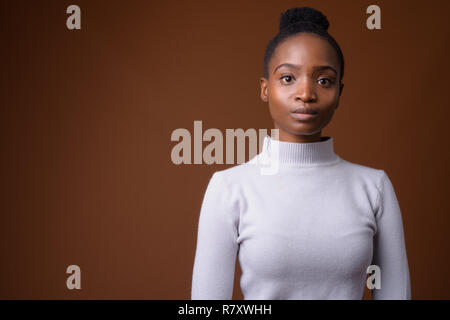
287, 79
327, 81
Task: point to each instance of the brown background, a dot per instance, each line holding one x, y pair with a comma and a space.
87, 116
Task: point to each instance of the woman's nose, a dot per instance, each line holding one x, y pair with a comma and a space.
305, 91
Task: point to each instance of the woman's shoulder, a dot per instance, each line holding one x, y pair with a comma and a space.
236, 174
361, 171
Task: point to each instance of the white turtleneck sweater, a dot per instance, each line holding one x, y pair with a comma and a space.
308, 231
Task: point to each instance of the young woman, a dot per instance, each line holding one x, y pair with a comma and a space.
320, 224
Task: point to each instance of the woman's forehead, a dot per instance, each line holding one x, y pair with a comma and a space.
305, 49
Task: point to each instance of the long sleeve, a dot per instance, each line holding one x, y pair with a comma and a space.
217, 247
389, 246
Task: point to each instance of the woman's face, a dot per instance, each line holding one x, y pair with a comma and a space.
303, 74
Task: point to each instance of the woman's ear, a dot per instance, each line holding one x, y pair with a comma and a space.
340, 89
264, 89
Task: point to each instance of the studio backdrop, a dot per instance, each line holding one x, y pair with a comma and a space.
94, 92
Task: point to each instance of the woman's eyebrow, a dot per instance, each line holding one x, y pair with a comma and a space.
294, 66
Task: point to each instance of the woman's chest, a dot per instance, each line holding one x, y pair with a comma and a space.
306, 234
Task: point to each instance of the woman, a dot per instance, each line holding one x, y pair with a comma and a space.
314, 228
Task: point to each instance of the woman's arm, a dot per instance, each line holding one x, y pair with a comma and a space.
215, 257
389, 246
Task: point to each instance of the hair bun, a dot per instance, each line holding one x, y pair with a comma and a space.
303, 14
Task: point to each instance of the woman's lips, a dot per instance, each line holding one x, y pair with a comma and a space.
304, 116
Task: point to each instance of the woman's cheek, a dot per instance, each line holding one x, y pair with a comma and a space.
279, 98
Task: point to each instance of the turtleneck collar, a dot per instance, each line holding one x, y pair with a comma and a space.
300, 154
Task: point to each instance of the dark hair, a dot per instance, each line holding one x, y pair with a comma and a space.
303, 19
